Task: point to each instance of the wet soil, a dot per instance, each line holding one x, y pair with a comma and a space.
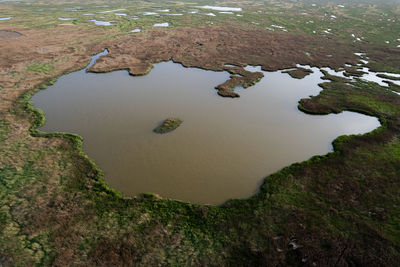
4, 34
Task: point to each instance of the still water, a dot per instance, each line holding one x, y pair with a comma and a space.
224, 147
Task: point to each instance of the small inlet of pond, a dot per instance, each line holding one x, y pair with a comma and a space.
224, 147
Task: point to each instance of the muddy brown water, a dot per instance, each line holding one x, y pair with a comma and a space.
224, 147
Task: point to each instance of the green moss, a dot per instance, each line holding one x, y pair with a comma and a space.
168, 125
40, 67
4, 129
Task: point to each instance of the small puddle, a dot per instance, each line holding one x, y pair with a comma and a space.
224, 147
369, 75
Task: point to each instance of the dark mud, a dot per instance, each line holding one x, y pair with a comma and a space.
4, 34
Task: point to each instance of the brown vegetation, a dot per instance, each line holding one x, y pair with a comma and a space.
335, 210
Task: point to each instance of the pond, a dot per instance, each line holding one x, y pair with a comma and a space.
224, 147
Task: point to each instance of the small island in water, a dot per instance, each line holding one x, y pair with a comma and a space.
168, 125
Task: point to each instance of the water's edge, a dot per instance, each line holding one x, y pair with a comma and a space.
77, 140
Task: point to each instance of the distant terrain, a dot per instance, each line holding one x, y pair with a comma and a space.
339, 209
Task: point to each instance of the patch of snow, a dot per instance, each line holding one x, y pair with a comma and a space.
136, 30
103, 23
149, 13
221, 8
164, 24
252, 68
60, 18
211, 14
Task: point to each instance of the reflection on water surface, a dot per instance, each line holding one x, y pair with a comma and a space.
224, 148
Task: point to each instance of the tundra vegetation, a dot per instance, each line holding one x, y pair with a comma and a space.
338, 209
168, 125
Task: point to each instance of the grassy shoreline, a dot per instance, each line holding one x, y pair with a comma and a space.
199, 218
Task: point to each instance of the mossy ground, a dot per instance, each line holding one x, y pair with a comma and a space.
168, 125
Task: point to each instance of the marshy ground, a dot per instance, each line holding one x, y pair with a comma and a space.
339, 209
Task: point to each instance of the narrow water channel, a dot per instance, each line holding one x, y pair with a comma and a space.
224, 147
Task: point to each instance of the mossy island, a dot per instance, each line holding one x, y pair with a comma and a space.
168, 125
298, 73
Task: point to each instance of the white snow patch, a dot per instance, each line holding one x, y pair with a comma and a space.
149, 13
277, 26
221, 8
164, 24
61, 18
103, 23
